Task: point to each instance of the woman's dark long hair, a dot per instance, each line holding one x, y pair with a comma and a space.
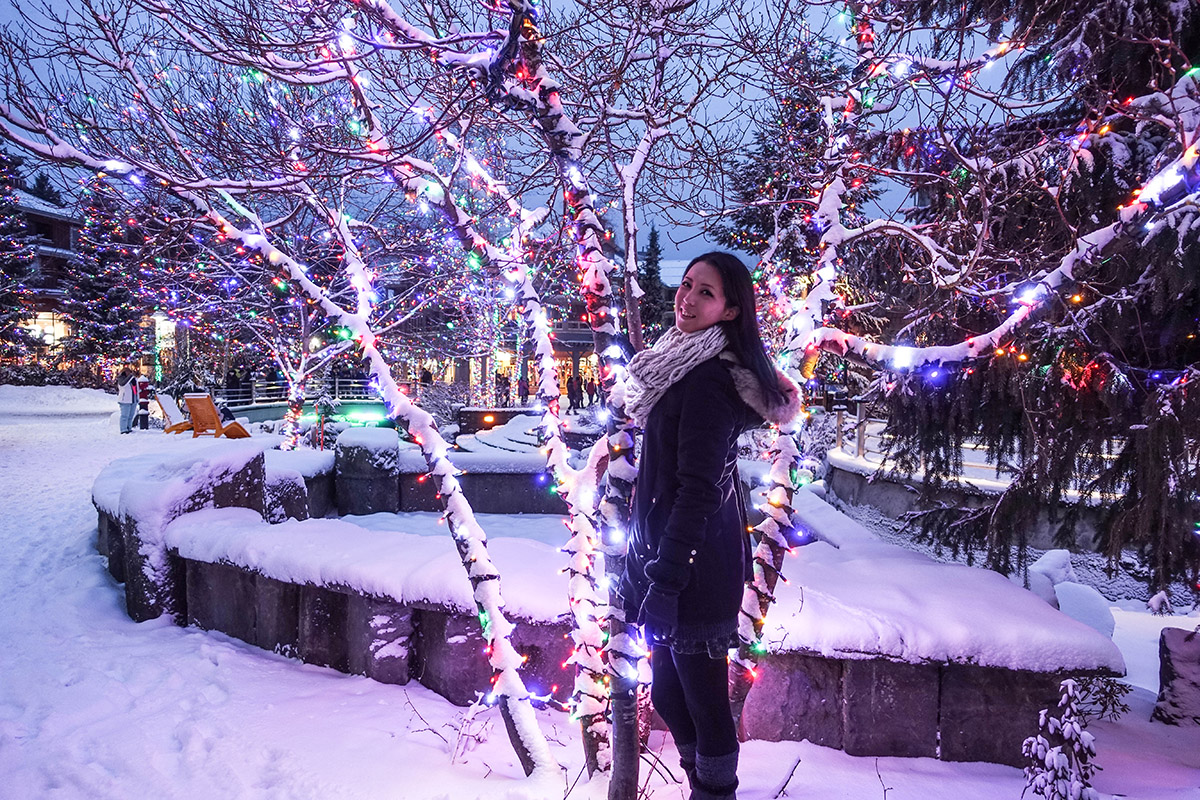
742, 331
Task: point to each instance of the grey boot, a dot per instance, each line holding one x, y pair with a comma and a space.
687, 760
716, 777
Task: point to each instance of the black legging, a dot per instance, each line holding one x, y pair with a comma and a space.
691, 694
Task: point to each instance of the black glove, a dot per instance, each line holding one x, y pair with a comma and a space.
659, 615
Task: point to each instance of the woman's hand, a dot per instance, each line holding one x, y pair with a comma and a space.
659, 615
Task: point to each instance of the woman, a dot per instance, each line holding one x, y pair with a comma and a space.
126, 397
704, 383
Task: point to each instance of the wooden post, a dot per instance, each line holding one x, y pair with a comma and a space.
860, 431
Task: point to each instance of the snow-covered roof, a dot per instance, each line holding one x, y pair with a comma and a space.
36, 205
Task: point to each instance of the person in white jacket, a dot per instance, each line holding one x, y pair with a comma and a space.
126, 398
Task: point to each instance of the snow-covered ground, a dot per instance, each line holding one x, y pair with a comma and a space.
93, 705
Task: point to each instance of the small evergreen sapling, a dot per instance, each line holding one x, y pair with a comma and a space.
1060, 756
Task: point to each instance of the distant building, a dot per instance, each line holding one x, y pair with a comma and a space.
54, 230
670, 271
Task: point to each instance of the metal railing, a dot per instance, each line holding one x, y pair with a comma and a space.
867, 441
262, 391
862, 438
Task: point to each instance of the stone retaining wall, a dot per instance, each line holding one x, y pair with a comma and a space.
343, 629
894, 497
864, 706
368, 480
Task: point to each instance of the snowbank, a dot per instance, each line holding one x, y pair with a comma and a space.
54, 401
185, 461
308, 463
404, 567
853, 596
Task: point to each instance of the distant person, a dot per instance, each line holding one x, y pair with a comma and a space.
572, 394
590, 386
523, 390
145, 391
426, 377
233, 385
126, 399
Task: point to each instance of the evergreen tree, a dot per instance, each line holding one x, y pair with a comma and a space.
16, 262
655, 303
1097, 394
774, 183
100, 301
1102, 49
41, 187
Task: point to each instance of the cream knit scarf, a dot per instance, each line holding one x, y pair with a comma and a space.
651, 372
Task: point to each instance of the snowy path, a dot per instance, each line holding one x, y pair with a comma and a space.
94, 706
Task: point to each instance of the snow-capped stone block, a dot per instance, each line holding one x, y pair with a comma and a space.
316, 469
490, 492
496, 481
450, 657
1085, 604
890, 709
987, 713
324, 640
222, 598
287, 495
918, 610
367, 475
796, 697
861, 482
1178, 677
221, 475
380, 639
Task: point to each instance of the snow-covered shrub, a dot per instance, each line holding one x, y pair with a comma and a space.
1161, 604
1102, 697
79, 375
443, 400
1060, 756
817, 437
325, 434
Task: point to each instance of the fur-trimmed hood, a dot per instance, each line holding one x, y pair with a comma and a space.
750, 390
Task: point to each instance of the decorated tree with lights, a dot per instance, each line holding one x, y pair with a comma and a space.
100, 303
785, 165
16, 262
1037, 292
240, 127
654, 117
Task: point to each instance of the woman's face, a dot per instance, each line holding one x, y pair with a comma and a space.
700, 299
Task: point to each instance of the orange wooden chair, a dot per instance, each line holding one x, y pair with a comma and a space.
206, 420
175, 421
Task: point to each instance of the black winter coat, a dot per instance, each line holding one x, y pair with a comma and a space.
688, 533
